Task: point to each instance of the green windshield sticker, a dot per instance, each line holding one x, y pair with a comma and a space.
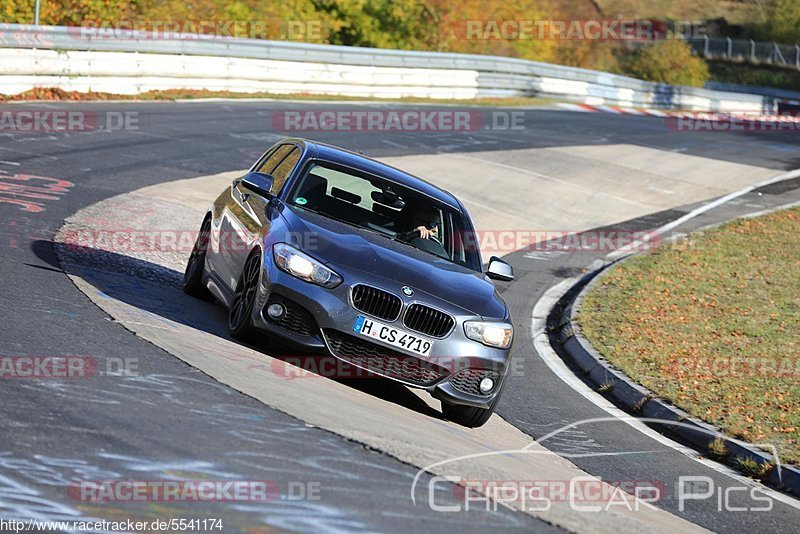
300, 201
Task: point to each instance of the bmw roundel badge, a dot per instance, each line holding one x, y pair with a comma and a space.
407, 291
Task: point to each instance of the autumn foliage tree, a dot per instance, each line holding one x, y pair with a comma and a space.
781, 21
668, 61
434, 25
68, 12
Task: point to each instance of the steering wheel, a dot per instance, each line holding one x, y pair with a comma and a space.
407, 235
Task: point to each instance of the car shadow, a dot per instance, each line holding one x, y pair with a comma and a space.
157, 289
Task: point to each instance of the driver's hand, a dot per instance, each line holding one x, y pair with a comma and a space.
427, 233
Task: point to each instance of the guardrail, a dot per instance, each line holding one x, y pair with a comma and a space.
47, 56
747, 50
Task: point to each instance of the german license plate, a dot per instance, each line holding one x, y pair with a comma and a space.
392, 336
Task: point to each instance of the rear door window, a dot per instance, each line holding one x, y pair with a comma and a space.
274, 159
283, 169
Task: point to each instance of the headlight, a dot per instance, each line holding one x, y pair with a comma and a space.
303, 266
492, 334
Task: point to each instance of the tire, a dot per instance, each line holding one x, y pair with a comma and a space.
195, 267
239, 321
469, 416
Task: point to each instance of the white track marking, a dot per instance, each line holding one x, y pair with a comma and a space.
559, 368
392, 143
702, 209
767, 211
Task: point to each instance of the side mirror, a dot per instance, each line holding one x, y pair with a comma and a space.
499, 270
259, 183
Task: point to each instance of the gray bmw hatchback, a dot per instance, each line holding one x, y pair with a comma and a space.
338, 254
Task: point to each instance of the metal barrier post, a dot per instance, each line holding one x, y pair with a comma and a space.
730, 47
778, 56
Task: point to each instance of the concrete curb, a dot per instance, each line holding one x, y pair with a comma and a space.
565, 335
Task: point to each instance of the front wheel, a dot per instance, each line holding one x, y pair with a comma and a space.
468, 416
239, 323
193, 275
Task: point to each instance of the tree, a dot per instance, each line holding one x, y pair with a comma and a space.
438, 25
782, 21
668, 61
67, 12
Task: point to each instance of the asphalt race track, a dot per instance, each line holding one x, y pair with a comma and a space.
169, 419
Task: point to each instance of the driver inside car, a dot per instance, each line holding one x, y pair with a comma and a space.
422, 222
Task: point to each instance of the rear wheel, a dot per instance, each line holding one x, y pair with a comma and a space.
239, 323
193, 275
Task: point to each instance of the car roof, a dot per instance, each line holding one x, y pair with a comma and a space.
346, 157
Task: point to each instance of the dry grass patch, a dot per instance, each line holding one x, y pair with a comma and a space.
714, 329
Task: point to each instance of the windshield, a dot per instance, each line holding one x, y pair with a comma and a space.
383, 207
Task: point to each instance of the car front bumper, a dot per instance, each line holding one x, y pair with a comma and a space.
450, 372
